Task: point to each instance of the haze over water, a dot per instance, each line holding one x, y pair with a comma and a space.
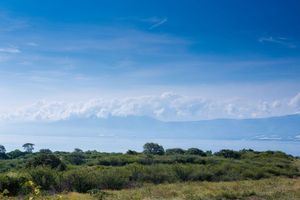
117, 144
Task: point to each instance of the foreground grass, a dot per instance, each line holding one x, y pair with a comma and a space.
275, 188
266, 189
250, 176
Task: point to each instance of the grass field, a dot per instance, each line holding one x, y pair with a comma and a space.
237, 175
265, 189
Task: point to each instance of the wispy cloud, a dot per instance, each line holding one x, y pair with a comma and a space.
10, 50
33, 44
9, 23
278, 40
45, 50
152, 22
158, 22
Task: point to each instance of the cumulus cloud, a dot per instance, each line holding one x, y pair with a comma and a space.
167, 106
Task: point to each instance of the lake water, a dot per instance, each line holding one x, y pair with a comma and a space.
122, 144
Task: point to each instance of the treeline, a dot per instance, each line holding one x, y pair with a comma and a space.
28, 148
45, 171
149, 149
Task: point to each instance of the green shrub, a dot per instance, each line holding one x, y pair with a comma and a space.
44, 177
79, 180
131, 152
183, 172
12, 183
47, 151
226, 153
113, 178
174, 151
157, 174
46, 160
113, 161
195, 151
76, 158
15, 154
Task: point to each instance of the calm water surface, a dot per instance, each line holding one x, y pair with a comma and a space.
122, 144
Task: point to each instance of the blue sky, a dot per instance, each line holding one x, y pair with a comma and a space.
164, 59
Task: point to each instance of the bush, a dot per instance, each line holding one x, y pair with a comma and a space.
45, 151
79, 180
76, 158
113, 178
174, 151
113, 161
3, 156
46, 160
131, 152
15, 154
83, 180
195, 151
157, 174
183, 172
226, 153
12, 183
44, 177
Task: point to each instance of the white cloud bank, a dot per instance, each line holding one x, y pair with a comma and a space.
167, 106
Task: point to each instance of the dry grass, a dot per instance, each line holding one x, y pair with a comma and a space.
267, 189
275, 188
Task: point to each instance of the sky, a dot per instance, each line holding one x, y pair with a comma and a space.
183, 60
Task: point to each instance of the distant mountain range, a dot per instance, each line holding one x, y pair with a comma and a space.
273, 128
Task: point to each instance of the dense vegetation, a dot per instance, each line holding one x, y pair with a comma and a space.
26, 172
264, 189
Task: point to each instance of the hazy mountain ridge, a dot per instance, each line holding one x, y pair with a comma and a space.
274, 128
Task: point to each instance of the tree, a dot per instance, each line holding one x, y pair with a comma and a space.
76, 158
2, 152
153, 148
77, 150
227, 153
209, 153
15, 154
195, 151
46, 160
131, 152
45, 151
2, 149
28, 147
174, 151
